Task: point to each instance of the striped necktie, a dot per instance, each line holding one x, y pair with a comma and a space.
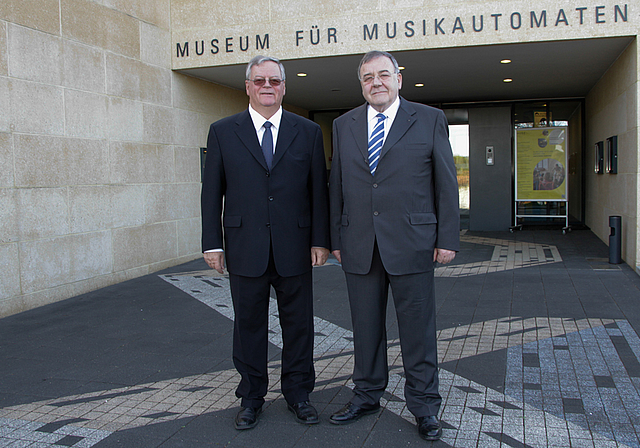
375, 143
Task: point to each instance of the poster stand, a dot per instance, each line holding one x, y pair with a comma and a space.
541, 173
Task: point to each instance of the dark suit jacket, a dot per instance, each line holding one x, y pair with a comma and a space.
410, 206
287, 207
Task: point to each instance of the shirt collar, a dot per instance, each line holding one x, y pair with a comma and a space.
259, 120
390, 112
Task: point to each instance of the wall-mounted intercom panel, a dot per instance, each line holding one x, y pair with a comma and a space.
489, 155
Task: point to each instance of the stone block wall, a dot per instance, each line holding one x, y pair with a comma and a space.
612, 109
99, 147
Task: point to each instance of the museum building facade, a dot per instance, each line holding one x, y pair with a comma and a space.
105, 107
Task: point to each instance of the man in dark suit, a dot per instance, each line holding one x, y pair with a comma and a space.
266, 168
394, 213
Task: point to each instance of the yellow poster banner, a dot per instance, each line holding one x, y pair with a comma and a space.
541, 164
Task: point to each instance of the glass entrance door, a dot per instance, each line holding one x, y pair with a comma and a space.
459, 138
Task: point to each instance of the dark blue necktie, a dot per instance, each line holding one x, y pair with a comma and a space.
267, 144
375, 143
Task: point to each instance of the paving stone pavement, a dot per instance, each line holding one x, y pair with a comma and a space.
537, 340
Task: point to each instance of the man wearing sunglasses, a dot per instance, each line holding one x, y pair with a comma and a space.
264, 194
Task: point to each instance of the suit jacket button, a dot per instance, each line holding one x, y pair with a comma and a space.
375, 213
271, 198
268, 174
375, 185
268, 224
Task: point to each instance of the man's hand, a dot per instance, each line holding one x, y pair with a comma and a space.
215, 260
443, 256
319, 256
336, 253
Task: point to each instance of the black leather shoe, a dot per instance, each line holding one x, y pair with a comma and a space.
351, 412
429, 428
305, 413
247, 418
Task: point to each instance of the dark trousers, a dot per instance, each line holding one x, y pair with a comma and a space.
414, 299
250, 344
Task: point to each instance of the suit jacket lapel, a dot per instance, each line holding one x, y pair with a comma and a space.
403, 121
360, 132
287, 132
246, 132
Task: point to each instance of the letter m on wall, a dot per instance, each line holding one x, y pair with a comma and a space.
182, 51
539, 22
373, 34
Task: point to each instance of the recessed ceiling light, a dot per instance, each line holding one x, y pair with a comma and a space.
419, 85
302, 75
505, 61
507, 80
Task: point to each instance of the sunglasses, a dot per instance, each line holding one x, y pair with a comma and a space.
259, 82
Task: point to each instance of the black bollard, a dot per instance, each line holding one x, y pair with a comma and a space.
615, 240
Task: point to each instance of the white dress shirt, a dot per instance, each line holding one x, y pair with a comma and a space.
258, 123
390, 113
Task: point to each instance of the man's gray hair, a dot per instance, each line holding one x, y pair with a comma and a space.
378, 54
257, 60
